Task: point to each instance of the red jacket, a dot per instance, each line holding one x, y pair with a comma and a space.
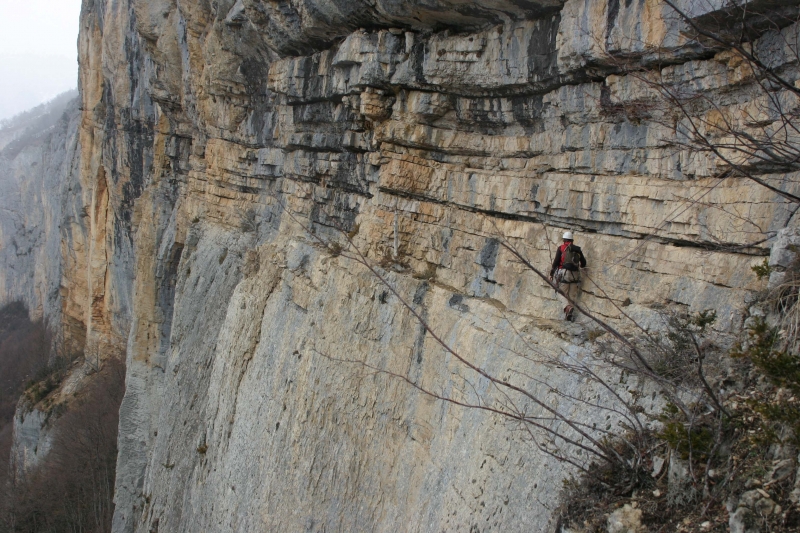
558, 260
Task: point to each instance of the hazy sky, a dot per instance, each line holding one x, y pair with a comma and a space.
38, 52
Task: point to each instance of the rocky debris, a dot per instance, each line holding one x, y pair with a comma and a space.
783, 254
743, 520
680, 489
627, 519
750, 509
782, 470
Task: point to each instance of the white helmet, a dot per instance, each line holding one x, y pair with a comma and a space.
567, 236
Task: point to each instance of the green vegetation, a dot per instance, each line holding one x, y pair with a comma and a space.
47, 379
689, 441
716, 453
780, 368
762, 270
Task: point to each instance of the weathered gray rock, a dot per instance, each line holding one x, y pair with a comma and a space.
783, 255
680, 490
32, 442
37, 167
743, 520
626, 519
782, 470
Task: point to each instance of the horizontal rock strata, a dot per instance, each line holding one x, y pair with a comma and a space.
231, 152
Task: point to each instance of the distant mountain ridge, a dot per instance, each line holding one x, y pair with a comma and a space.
24, 128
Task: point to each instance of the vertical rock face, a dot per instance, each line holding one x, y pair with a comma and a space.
225, 145
32, 442
38, 167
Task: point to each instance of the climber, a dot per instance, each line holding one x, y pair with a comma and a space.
566, 272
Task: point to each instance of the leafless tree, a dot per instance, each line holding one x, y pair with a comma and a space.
72, 489
24, 352
757, 139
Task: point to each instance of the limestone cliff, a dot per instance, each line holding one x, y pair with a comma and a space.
216, 136
38, 167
